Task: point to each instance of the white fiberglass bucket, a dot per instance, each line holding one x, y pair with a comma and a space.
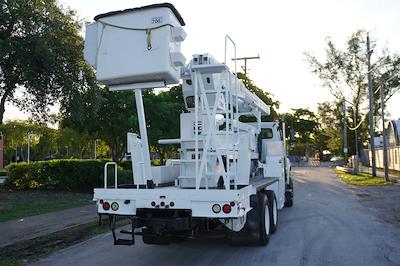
136, 45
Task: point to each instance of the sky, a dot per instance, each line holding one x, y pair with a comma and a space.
279, 31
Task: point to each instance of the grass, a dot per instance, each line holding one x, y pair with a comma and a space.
20, 204
25, 252
362, 179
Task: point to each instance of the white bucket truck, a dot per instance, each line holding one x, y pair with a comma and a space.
231, 173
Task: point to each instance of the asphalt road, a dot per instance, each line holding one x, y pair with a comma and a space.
326, 226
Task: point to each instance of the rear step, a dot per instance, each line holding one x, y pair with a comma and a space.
124, 242
130, 233
121, 241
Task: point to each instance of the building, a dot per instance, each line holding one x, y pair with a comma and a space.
393, 140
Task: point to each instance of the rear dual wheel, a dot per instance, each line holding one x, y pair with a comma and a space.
273, 210
258, 223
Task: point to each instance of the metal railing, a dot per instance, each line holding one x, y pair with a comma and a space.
115, 174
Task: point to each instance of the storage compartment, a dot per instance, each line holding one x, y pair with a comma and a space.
137, 45
164, 174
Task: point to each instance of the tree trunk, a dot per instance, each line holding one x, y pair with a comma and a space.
113, 149
2, 108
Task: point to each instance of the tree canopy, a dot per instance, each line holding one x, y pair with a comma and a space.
303, 125
344, 73
41, 55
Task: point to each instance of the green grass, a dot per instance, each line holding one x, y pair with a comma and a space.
19, 204
9, 262
362, 179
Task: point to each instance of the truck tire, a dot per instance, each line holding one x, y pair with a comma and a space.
289, 194
256, 231
273, 211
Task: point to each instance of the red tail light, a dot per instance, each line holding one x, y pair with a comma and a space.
106, 206
226, 208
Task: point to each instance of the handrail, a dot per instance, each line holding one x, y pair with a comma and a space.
227, 37
226, 45
115, 174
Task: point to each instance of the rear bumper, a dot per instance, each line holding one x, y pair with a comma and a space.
199, 202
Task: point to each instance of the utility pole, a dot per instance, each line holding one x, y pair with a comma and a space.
385, 157
371, 109
355, 132
245, 61
30, 137
345, 148
29, 148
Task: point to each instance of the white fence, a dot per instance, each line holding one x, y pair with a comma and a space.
393, 157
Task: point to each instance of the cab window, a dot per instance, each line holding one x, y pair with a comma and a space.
190, 102
266, 133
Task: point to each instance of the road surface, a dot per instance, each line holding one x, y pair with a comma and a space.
326, 226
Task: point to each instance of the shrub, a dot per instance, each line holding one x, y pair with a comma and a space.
3, 172
71, 175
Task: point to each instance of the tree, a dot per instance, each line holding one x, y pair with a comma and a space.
344, 72
103, 115
163, 118
73, 143
305, 126
17, 134
330, 117
41, 55
110, 115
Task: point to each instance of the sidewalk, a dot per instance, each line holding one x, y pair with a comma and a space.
39, 225
379, 173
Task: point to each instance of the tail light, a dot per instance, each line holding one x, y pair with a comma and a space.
106, 206
226, 208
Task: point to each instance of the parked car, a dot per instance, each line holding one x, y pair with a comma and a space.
51, 157
337, 159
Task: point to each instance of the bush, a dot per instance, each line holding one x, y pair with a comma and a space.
3, 172
71, 175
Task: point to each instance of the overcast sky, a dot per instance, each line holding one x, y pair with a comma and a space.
279, 31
